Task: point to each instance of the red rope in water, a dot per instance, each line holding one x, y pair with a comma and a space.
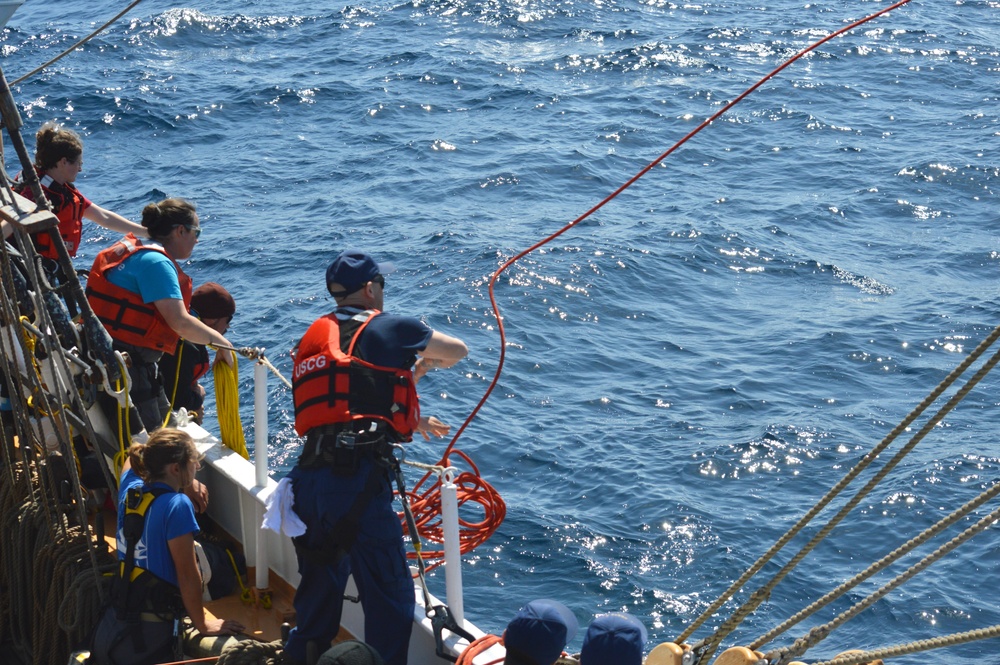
426, 503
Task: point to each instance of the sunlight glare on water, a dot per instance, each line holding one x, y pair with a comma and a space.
689, 369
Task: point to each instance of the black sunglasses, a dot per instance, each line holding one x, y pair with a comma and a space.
196, 230
380, 280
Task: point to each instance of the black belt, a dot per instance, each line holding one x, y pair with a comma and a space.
341, 446
361, 431
152, 617
140, 355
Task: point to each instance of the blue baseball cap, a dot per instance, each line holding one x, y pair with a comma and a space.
613, 639
351, 270
538, 633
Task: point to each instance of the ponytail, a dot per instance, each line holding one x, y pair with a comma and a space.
135, 454
163, 217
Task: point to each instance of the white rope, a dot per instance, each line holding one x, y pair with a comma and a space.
255, 353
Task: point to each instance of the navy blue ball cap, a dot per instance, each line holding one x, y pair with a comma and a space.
538, 633
613, 639
351, 270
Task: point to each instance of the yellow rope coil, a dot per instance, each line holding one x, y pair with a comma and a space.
29, 340
227, 403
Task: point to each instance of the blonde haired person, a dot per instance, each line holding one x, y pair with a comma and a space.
140, 626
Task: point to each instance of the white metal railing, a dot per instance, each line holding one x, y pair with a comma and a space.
262, 576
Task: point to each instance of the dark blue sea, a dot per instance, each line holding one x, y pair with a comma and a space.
690, 368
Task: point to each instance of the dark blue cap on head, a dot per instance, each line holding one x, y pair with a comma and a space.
351, 270
613, 639
538, 633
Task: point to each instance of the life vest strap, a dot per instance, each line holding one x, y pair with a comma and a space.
123, 307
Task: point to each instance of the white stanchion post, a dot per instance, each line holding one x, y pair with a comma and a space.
260, 464
260, 422
452, 546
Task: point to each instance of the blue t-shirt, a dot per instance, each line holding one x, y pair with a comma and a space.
390, 340
150, 274
169, 516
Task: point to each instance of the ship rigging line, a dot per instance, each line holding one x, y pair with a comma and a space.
706, 647
626, 185
76, 45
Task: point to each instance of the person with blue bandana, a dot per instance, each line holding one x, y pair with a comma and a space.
354, 387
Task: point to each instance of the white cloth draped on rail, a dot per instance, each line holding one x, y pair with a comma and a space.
279, 516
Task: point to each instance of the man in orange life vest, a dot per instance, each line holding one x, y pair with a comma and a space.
354, 391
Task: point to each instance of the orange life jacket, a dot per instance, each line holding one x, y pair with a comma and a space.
202, 365
127, 318
331, 385
69, 204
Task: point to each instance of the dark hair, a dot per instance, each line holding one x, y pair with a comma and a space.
53, 142
161, 218
165, 446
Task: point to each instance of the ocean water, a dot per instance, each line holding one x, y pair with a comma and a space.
689, 369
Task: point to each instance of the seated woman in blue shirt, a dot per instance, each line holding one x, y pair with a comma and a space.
164, 466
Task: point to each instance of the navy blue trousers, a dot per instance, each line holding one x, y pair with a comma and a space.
377, 561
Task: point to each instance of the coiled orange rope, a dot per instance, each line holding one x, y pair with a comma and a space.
425, 503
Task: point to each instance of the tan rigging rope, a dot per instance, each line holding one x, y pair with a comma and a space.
879, 565
48, 556
818, 634
49, 600
916, 647
48, 399
251, 652
708, 646
76, 45
57, 564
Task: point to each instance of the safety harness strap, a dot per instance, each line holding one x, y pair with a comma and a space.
136, 590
